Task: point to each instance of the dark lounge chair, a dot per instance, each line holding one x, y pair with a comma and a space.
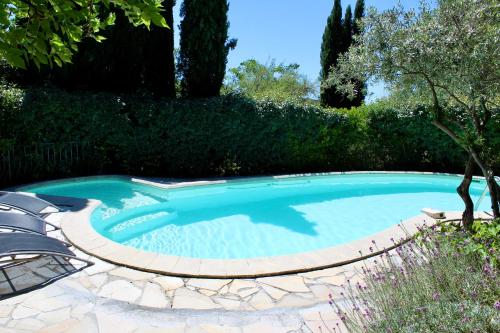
25, 203
20, 250
24, 223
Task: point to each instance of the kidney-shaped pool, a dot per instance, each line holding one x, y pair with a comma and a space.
258, 217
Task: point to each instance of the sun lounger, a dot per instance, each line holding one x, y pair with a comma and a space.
25, 203
18, 250
24, 223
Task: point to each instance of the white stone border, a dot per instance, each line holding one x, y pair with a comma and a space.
77, 228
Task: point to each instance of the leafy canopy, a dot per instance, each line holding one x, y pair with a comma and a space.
452, 48
48, 31
278, 82
446, 57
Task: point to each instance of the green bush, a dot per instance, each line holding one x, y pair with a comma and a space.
483, 240
222, 136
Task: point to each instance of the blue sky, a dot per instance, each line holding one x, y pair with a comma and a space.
289, 31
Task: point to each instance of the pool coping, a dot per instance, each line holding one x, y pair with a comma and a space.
77, 228
182, 182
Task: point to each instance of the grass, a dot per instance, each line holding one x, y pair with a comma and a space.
431, 284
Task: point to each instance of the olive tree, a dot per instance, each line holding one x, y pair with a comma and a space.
447, 57
280, 82
48, 31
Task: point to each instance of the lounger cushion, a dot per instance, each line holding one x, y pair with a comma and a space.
31, 204
30, 243
22, 222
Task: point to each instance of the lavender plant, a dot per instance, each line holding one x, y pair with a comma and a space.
427, 285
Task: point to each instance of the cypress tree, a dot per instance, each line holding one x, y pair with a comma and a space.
204, 46
159, 64
130, 58
347, 27
331, 47
359, 12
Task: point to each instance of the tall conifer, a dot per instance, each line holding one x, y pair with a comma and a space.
330, 50
359, 12
204, 46
159, 62
131, 58
347, 27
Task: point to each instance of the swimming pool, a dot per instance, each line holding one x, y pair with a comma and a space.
258, 217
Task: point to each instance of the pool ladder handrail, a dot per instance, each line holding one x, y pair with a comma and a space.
481, 198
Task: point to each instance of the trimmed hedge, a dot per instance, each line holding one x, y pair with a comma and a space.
228, 135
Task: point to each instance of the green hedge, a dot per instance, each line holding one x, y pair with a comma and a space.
228, 135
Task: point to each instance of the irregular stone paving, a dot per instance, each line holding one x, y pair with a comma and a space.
107, 298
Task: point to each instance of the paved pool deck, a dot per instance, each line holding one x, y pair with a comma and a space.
111, 298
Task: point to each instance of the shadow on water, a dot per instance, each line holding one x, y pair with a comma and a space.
272, 206
278, 211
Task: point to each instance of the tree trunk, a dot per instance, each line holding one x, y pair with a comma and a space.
488, 174
492, 185
494, 194
463, 191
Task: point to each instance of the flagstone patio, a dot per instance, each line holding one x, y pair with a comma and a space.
109, 298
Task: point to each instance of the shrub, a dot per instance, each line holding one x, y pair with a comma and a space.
483, 240
429, 286
222, 136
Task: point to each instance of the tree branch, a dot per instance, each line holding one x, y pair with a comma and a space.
450, 133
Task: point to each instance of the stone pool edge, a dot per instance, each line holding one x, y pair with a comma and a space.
77, 229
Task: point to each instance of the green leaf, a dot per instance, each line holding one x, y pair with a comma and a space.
14, 57
100, 38
58, 61
159, 21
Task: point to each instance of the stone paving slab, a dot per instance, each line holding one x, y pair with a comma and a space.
109, 298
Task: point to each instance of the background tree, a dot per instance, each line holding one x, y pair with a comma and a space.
49, 31
347, 27
159, 60
331, 47
131, 58
446, 57
204, 46
360, 86
359, 13
279, 82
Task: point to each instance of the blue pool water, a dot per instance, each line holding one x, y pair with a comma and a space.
259, 217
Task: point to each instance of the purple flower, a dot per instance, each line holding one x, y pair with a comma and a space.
497, 305
435, 296
487, 269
